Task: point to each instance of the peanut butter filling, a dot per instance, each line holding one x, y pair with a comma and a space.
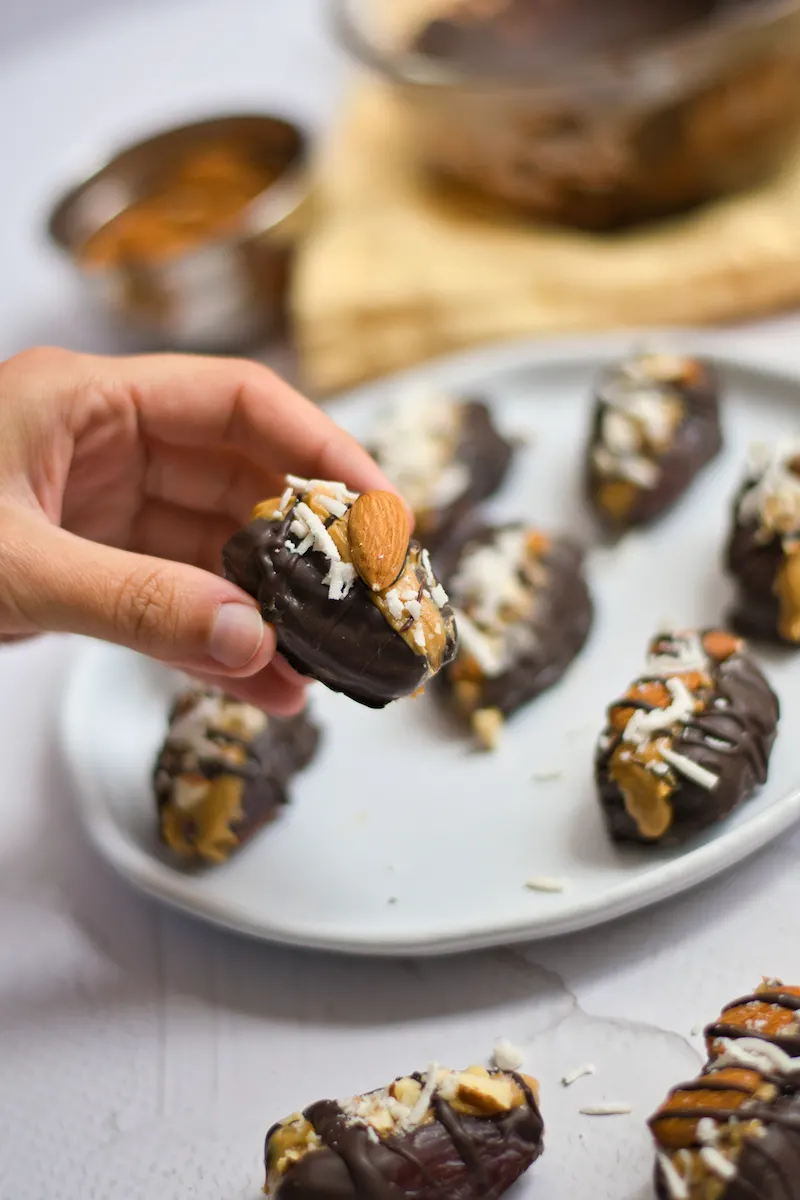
672, 1125
617, 498
637, 764
198, 197
413, 579
787, 589
704, 1150
205, 828
680, 1136
646, 793
646, 796
197, 819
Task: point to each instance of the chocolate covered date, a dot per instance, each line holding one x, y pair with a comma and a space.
762, 552
354, 602
223, 771
445, 1135
734, 1132
444, 456
523, 612
656, 424
688, 742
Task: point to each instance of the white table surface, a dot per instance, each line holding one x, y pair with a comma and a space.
143, 1055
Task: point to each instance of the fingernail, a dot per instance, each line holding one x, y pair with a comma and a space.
237, 635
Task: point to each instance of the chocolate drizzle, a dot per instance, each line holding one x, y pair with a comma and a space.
272, 756
767, 1162
732, 740
452, 1156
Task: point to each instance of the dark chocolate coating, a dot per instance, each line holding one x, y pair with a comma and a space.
487, 456
455, 1156
346, 644
754, 566
769, 1167
697, 440
533, 37
284, 747
747, 726
561, 619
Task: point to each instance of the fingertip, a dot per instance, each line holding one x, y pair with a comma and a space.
241, 642
267, 690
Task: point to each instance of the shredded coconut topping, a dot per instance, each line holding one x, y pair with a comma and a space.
310, 530
642, 725
495, 589
690, 769
507, 1056
315, 527
757, 1055
191, 728
189, 791
332, 486
707, 1131
191, 733
717, 1163
419, 1110
334, 507
612, 1109
676, 1184
684, 654
439, 595
545, 883
639, 418
679, 653
340, 580
416, 444
577, 1073
773, 500
479, 646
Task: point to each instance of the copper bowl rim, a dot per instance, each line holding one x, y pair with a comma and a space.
289, 190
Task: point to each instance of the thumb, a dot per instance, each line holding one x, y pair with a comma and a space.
53, 581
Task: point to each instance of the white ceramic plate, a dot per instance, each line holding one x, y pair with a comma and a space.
402, 839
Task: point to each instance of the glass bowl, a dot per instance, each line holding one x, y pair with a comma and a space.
603, 140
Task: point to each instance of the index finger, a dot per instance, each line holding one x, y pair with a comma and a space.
190, 400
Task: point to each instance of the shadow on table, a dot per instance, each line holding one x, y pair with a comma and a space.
154, 952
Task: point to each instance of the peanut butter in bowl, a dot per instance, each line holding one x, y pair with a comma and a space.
200, 198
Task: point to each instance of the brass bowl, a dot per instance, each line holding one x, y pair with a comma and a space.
602, 141
225, 291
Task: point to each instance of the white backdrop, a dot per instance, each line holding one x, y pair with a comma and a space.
142, 1057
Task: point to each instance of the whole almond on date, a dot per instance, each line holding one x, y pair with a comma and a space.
378, 530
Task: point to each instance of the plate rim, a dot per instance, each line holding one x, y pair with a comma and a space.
678, 875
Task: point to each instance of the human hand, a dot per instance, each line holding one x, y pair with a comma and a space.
120, 480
